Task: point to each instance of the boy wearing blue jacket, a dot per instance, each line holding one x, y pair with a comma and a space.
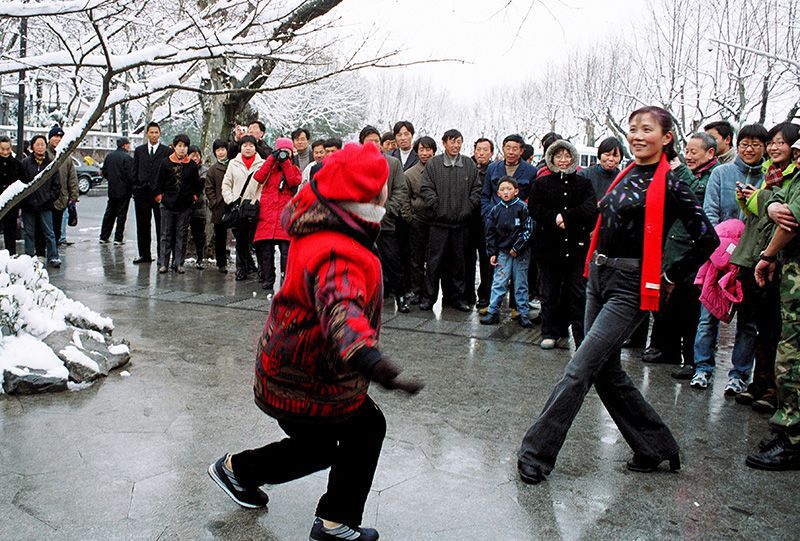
508, 230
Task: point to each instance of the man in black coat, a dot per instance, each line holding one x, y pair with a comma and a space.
452, 192
10, 172
147, 159
118, 171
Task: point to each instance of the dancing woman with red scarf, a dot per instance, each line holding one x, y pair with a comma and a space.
626, 279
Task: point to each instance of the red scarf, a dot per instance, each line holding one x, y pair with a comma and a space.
248, 162
653, 235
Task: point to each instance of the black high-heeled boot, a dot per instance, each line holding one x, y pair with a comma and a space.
644, 464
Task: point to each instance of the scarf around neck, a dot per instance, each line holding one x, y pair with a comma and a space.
650, 286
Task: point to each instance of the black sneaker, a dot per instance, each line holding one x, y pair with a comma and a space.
490, 319
321, 533
252, 498
525, 322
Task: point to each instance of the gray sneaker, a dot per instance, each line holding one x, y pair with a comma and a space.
735, 386
701, 380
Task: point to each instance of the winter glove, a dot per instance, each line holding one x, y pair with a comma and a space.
377, 368
386, 374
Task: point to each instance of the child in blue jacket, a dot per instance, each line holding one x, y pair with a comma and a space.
508, 230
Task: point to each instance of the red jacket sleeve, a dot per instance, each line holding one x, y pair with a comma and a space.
292, 174
263, 172
340, 297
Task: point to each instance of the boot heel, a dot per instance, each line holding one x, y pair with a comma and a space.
674, 462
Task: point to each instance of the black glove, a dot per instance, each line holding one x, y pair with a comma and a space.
281, 155
386, 374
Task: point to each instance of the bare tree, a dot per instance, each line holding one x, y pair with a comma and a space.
224, 51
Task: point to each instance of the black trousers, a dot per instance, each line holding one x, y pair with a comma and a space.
197, 226
446, 246
675, 323
418, 241
221, 245
9, 224
265, 249
243, 235
563, 298
147, 212
612, 314
116, 212
349, 448
475, 259
58, 217
762, 305
390, 248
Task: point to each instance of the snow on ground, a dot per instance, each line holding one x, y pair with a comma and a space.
46, 336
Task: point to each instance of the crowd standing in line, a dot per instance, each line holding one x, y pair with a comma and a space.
696, 239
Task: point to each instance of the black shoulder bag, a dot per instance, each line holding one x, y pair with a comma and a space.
241, 210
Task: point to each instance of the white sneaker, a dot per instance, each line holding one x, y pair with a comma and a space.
735, 386
701, 380
548, 343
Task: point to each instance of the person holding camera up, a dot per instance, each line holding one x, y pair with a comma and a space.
279, 177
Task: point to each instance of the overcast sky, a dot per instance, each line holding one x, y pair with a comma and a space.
486, 34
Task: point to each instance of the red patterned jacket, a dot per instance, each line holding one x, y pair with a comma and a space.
325, 319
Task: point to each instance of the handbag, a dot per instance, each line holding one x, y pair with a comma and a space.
241, 210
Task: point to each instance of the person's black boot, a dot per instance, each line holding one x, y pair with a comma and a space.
644, 464
684, 372
402, 304
532, 475
780, 454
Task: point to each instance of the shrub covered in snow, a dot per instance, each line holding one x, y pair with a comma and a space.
48, 340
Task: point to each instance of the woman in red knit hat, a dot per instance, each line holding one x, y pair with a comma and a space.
626, 279
319, 350
280, 178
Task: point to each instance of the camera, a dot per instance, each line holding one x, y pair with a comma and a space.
281, 155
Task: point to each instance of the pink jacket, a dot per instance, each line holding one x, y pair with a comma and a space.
719, 288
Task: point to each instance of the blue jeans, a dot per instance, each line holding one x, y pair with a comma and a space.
45, 220
511, 267
706, 342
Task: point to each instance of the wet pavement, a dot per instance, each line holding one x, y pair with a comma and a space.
127, 458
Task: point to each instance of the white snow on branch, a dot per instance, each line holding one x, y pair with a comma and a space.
34, 9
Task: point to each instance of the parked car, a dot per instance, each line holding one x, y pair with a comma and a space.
89, 176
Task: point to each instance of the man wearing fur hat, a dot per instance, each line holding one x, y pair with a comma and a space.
319, 350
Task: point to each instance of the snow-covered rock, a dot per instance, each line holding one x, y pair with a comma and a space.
47, 340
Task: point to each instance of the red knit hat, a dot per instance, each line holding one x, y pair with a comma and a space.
355, 173
283, 143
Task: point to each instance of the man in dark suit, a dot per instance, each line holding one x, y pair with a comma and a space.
404, 136
118, 171
147, 159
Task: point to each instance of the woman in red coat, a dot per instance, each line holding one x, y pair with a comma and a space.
280, 178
